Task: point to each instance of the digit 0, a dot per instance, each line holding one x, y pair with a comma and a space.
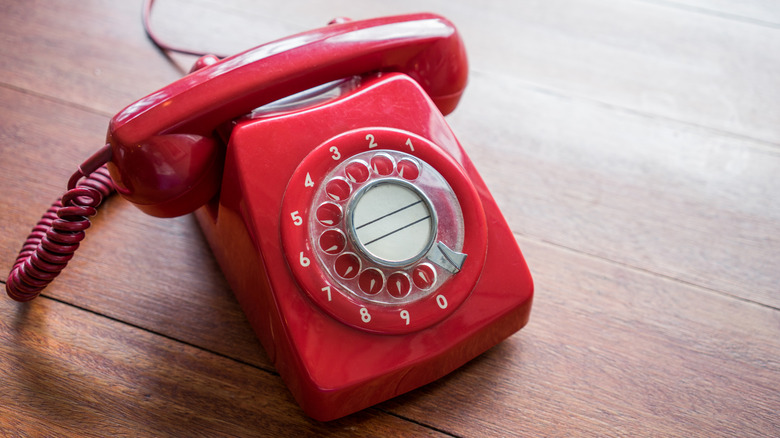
441, 300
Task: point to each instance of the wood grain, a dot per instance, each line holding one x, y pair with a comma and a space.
657, 58
633, 147
70, 372
176, 277
659, 195
761, 12
620, 350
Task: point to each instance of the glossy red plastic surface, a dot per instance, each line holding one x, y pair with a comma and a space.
167, 181
333, 368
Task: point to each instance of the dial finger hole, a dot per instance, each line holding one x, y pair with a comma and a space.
424, 276
329, 214
347, 266
408, 169
338, 189
357, 172
371, 281
382, 165
398, 285
333, 241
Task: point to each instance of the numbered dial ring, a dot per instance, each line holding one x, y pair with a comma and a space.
379, 235
376, 235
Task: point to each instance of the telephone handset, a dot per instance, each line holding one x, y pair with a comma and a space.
148, 136
358, 237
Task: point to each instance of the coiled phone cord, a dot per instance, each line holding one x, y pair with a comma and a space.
56, 237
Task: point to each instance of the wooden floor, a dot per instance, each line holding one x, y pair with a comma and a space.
633, 146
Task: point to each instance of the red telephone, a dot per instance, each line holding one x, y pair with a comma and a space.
361, 242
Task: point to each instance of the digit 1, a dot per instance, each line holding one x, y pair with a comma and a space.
409, 143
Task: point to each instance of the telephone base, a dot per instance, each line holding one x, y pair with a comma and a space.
335, 367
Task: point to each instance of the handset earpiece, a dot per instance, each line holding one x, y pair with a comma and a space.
164, 157
168, 175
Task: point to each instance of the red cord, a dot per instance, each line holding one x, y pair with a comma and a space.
56, 237
165, 47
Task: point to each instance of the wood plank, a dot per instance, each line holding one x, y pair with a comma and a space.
664, 196
643, 56
70, 372
700, 69
615, 351
92, 54
153, 273
703, 69
760, 12
107, 64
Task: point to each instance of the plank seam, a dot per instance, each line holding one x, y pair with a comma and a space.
419, 423
769, 147
644, 271
712, 12
156, 333
56, 100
